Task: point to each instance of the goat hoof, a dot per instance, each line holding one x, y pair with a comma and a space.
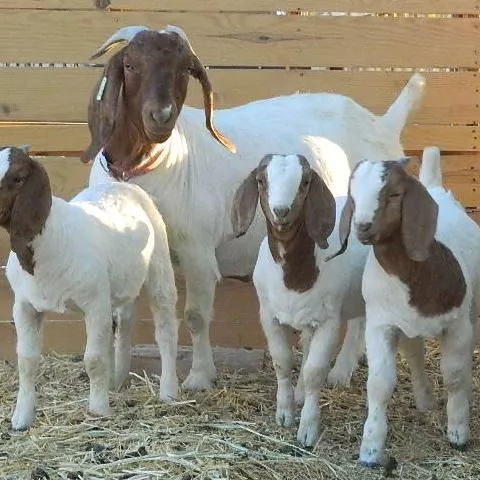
461, 447
372, 465
22, 421
197, 381
308, 432
284, 417
338, 378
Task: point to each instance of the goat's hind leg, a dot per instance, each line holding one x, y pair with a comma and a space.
29, 325
456, 366
122, 339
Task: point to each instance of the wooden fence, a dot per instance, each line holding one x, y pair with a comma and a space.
254, 48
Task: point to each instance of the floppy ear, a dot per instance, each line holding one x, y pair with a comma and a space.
29, 213
419, 221
103, 106
344, 227
245, 204
320, 211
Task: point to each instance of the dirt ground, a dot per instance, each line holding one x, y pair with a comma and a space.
226, 433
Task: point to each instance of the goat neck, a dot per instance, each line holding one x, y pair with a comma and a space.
294, 250
436, 285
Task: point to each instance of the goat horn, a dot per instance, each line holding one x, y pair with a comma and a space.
124, 34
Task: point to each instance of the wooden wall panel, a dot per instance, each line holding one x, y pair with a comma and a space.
51, 138
380, 6
246, 39
32, 94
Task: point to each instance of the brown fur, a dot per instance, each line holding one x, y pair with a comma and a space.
25, 202
148, 74
402, 234
311, 220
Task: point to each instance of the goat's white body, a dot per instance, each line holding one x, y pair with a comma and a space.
195, 183
317, 313
389, 313
94, 254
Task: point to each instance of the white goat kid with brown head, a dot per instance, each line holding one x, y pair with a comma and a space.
421, 280
146, 135
91, 254
296, 288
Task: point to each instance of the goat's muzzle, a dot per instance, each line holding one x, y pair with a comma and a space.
159, 122
365, 234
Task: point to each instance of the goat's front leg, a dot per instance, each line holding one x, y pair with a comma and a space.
200, 277
413, 349
315, 371
381, 347
279, 346
352, 349
305, 340
97, 357
122, 340
456, 366
29, 325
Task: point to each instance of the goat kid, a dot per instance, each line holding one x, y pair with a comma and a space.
142, 132
90, 254
421, 280
296, 288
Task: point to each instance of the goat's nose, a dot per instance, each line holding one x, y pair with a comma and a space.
163, 115
281, 212
364, 227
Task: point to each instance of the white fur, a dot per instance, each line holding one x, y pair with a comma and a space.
317, 313
284, 174
94, 255
4, 162
194, 184
389, 313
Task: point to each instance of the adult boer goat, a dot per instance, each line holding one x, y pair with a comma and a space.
142, 132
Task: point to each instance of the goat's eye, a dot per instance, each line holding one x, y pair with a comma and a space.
128, 67
306, 182
394, 195
260, 181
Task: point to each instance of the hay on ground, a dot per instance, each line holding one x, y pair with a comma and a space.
225, 433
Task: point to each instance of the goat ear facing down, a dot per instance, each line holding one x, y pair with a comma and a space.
103, 106
199, 72
244, 205
344, 227
419, 221
320, 211
29, 213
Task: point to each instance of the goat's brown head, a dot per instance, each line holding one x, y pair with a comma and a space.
25, 201
290, 192
143, 88
386, 203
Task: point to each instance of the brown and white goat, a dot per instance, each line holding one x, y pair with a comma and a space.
146, 135
296, 288
421, 280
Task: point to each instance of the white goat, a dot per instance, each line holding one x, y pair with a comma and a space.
421, 280
91, 254
144, 135
296, 288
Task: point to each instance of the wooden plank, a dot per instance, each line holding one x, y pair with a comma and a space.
409, 6
27, 95
51, 138
245, 39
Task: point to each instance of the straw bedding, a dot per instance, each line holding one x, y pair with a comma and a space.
226, 433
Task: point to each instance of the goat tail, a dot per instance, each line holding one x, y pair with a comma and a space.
407, 101
431, 169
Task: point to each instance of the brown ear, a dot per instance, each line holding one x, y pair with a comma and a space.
103, 106
245, 204
344, 227
29, 213
198, 71
419, 220
320, 211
